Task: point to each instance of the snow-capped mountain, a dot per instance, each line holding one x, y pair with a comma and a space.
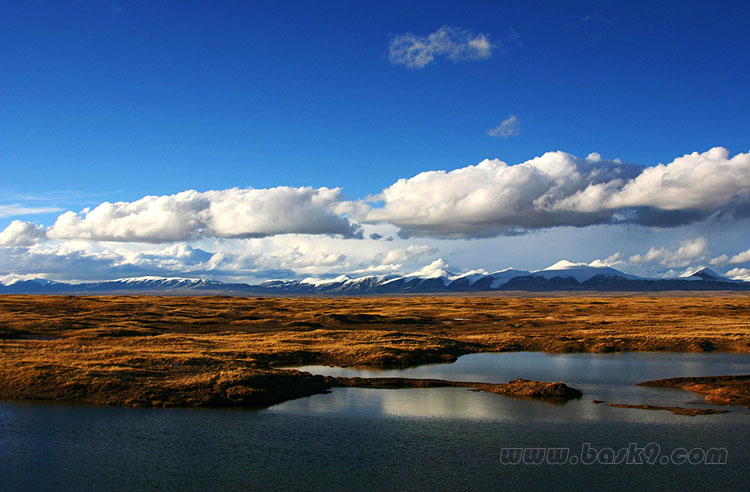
43, 282
148, 284
708, 274
170, 282
504, 276
579, 271
434, 278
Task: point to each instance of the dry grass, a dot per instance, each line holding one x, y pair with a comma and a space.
222, 350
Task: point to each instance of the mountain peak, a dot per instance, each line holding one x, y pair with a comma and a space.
563, 264
707, 274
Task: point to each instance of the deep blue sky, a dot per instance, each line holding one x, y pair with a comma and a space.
135, 98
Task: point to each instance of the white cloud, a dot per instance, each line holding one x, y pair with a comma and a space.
227, 213
743, 257
739, 274
66, 261
20, 233
509, 127
688, 252
610, 261
16, 209
410, 253
438, 268
251, 235
493, 198
453, 43
719, 260
701, 182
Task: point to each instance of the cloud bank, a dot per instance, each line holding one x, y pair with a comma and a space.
231, 213
685, 255
559, 189
454, 43
485, 200
285, 232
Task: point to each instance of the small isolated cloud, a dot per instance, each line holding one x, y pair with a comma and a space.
510, 127
683, 256
20, 233
231, 213
559, 189
453, 43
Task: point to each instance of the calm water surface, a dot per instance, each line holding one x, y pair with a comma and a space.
407, 439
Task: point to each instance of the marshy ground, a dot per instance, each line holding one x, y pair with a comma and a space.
217, 350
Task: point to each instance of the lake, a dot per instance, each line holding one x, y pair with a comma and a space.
405, 439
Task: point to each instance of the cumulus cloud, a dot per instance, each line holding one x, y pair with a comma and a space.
559, 189
66, 262
743, 257
438, 268
20, 233
688, 252
405, 255
739, 274
231, 213
510, 127
453, 43
610, 261
719, 260
493, 198
694, 182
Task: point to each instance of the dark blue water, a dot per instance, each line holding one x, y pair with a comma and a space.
413, 439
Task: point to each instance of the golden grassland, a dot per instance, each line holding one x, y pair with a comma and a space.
220, 350
718, 390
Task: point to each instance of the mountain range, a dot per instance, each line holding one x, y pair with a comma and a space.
562, 276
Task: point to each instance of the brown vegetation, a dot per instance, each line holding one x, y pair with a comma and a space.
145, 350
719, 390
691, 412
519, 388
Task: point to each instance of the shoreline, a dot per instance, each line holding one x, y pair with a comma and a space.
219, 351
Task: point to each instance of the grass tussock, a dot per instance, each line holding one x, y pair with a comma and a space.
145, 350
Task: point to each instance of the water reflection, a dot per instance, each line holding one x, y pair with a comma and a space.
608, 377
628, 367
376, 439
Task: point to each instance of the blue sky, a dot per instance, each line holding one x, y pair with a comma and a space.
111, 101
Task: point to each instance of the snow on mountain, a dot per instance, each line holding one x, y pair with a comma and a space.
564, 264
501, 277
435, 270
434, 277
707, 274
471, 277
579, 271
151, 281
39, 281
323, 281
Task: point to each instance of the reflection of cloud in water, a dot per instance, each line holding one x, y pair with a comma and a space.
574, 369
453, 403
609, 377
463, 404
460, 403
